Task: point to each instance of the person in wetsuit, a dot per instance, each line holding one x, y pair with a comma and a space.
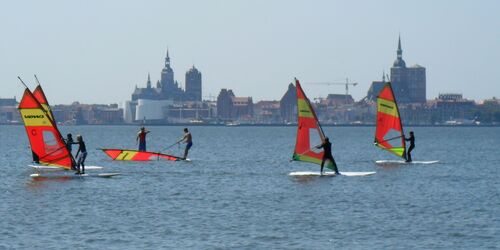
327, 148
81, 160
411, 139
141, 137
188, 139
69, 142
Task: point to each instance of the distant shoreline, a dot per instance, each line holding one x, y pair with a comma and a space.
264, 125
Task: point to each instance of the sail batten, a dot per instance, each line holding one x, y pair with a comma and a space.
389, 133
309, 131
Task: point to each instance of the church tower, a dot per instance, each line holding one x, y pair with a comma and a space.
167, 76
399, 76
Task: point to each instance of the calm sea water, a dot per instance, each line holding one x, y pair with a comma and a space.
236, 193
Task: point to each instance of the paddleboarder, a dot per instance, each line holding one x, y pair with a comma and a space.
141, 137
411, 139
327, 149
81, 160
188, 139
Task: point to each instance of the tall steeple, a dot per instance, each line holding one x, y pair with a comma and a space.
167, 60
399, 62
148, 84
400, 51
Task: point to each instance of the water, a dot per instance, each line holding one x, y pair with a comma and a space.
236, 193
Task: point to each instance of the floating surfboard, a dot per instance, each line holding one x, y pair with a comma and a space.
316, 173
72, 175
53, 168
404, 162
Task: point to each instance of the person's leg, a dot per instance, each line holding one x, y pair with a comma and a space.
84, 156
408, 159
334, 166
78, 163
322, 164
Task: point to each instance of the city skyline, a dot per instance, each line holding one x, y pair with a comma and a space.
84, 52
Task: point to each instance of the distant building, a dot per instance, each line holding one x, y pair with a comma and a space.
150, 103
231, 107
288, 104
225, 104
267, 112
193, 84
375, 88
8, 110
409, 83
337, 100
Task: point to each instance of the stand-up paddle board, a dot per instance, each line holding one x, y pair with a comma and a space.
72, 175
404, 162
53, 168
317, 173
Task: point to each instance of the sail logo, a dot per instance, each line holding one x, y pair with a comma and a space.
34, 116
386, 106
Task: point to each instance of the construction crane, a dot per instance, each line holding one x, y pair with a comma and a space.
346, 83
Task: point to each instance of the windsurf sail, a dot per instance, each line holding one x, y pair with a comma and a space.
42, 99
46, 142
389, 132
309, 132
135, 155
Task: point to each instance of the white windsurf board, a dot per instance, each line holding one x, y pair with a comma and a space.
73, 175
53, 168
404, 162
317, 173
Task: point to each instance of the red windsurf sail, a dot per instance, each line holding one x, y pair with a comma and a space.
389, 132
309, 131
44, 137
134, 155
42, 99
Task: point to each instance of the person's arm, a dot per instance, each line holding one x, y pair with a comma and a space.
77, 152
320, 146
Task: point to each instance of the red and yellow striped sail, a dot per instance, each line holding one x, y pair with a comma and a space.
309, 131
134, 155
389, 132
44, 137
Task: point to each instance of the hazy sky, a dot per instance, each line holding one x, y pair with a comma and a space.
97, 51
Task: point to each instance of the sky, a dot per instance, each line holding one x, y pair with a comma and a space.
98, 51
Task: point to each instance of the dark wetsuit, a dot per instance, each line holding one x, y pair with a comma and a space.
81, 159
327, 148
69, 143
412, 146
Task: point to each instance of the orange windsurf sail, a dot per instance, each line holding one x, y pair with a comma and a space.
44, 137
389, 132
309, 131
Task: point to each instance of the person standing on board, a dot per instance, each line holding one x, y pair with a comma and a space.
141, 137
69, 142
81, 160
411, 139
327, 149
188, 139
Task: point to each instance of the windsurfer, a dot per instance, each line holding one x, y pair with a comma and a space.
141, 137
83, 156
327, 148
411, 139
188, 139
69, 142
